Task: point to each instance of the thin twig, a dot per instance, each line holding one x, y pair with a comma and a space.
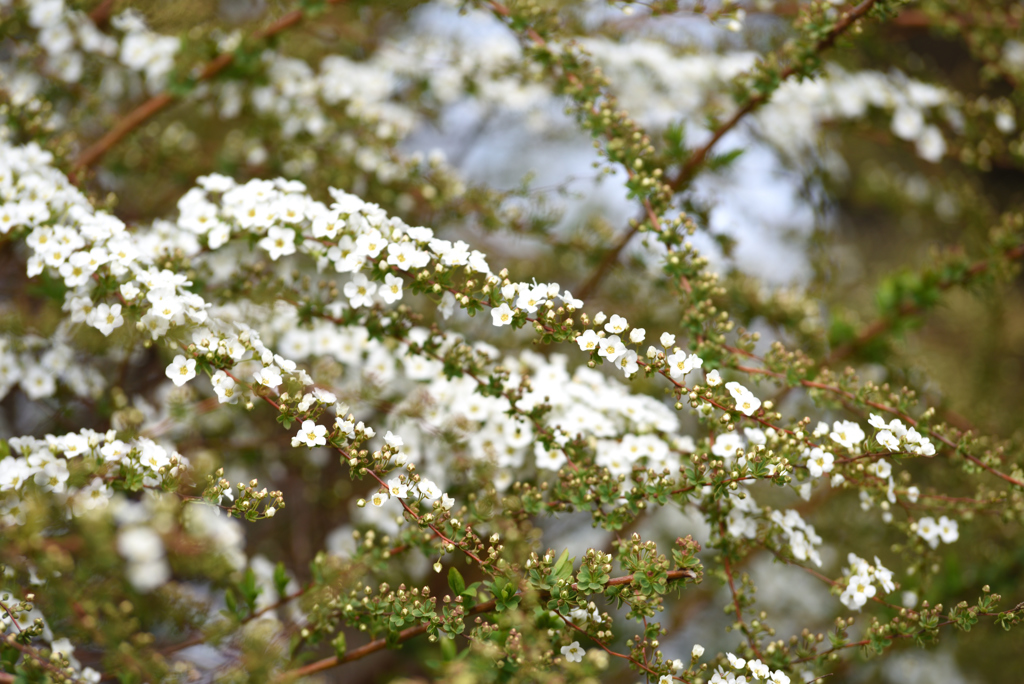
700, 155
155, 104
410, 632
884, 324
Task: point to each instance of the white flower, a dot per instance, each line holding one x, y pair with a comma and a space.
166, 305
713, 378
530, 299
949, 531
884, 576
737, 663
880, 468
616, 324
819, 462
548, 459
907, 123
928, 530
627, 362
637, 335
681, 363
931, 146
501, 315
573, 653
725, 445
106, 318
224, 386
327, 225
667, 340
279, 242
697, 651
311, 434
447, 305
746, 402
1005, 122
758, 669
397, 489
588, 341
611, 348
429, 489
360, 291
571, 301
370, 244
379, 498
268, 376
181, 370
877, 422
888, 440
129, 291
406, 255
54, 476
847, 433
391, 292
857, 592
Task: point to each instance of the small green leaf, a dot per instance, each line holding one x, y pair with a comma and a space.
338, 643
249, 589
563, 567
456, 582
280, 579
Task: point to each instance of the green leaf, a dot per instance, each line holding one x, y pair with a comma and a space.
722, 161
8, 657
455, 581
249, 589
563, 567
338, 643
280, 579
231, 601
448, 649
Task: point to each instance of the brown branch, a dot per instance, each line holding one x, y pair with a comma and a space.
700, 155
612, 255
697, 158
44, 663
917, 19
158, 102
607, 261
410, 632
14, 620
100, 15
888, 409
884, 324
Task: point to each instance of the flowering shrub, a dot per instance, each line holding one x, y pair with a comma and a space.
282, 392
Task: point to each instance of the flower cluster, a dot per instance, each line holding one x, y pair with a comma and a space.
276, 328
78, 469
861, 579
895, 436
945, 530
758, 672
